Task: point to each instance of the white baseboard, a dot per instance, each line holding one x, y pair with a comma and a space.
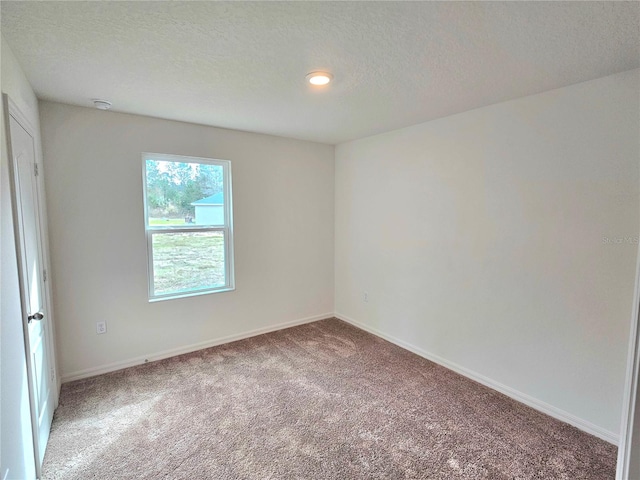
112, 367
532, 402
508, 391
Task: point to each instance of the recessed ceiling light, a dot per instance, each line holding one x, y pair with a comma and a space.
101, 104
319, 78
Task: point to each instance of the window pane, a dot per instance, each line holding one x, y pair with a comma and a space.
187, 261
184, 193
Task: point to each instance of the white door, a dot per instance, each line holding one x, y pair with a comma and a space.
29, 247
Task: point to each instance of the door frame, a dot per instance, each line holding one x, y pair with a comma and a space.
10, 109
630, 397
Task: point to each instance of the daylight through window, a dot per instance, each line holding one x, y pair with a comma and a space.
188, 224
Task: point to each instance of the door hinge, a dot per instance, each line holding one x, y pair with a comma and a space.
44, 275
35, 169
53, 374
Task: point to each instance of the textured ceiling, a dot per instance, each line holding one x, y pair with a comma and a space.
242, 65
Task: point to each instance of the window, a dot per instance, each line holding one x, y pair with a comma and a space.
188, 224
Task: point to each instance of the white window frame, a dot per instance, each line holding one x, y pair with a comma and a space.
226, 229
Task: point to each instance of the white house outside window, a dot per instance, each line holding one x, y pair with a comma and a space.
188, 224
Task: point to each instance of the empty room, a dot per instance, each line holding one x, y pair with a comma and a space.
319, 240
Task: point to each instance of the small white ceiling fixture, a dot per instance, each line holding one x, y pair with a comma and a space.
101, 104
319, 78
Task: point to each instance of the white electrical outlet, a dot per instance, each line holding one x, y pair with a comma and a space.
365, 297
101, 327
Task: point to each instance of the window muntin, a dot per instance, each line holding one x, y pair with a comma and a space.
188, 225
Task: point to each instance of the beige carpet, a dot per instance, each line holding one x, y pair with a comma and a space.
318, 401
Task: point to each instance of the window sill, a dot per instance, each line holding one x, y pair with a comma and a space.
191, 294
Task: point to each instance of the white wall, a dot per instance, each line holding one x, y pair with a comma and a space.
479, 239
16, 444
283, 226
